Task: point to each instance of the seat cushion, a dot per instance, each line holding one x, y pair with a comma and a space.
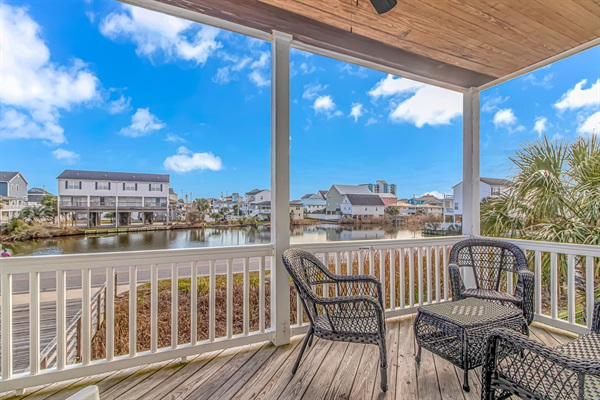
489, 295
588, 348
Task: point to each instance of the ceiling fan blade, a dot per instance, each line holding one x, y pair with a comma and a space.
383, 6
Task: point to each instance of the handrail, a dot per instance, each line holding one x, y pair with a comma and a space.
59, 262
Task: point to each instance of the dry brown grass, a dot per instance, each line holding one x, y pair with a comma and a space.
184, 304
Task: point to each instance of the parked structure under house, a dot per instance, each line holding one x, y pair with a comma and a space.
488, 187
89, 194
13, 195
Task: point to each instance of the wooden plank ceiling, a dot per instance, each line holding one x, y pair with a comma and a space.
460, 42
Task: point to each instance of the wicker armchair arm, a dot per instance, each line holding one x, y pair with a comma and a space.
456, 282
510, 343
524, 292
596, 317
359, 285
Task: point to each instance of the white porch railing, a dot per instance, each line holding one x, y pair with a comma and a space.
74, 276
413, 272
418, 275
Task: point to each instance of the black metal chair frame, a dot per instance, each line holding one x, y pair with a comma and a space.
355, 314
491, 260
515, 364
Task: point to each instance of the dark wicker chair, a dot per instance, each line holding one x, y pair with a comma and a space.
492, 260
356, 314
515, 364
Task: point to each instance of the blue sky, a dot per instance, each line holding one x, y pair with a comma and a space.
104, 86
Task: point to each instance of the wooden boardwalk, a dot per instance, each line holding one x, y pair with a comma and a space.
47, 329
329, 370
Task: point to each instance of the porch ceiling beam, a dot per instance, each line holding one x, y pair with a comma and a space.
251, 17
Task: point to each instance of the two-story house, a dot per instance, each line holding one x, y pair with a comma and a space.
254, 197
362, 205
336, 194
94, 193
13, 195
36, 195
488, 187
312, 203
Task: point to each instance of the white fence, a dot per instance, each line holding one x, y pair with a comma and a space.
72, 275
162, 289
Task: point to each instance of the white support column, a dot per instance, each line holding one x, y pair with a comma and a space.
471, 201
280, 185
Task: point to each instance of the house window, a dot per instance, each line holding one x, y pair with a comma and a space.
12, 187
73, 184
365, 208
456, 206
17, 188
495, 191
102, 185
129, 186
375, 208
156, 187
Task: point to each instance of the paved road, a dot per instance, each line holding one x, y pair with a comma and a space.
48, 279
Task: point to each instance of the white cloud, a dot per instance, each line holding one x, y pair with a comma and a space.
391, 86
143, 123
34, 89
325, 105
228, 73
307, 69
545, 82
68, 156
418, 103
173, 138
258, 79
155, 34
312, 90
357, 111
360, 72
591, 126
579, 97
119, 105
434, 193
492, 103
185, 161
371, 121
540, 125
504, 117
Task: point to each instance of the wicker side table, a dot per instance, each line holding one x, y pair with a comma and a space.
457, 331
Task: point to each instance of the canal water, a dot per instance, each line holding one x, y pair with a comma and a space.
209, 237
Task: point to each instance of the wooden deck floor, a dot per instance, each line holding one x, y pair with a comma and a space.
329, 370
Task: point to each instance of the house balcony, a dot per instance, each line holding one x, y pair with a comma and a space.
73, 205
196, 323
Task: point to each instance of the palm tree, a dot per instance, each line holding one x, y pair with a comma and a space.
555, 194
555, 197
37, 213
203, 206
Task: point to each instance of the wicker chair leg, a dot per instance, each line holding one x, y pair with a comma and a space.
383, 365
310, 340
308, 337
466, 387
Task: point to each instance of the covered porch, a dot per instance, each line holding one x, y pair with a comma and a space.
247, 350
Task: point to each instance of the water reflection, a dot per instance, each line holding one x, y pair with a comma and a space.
210, 237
